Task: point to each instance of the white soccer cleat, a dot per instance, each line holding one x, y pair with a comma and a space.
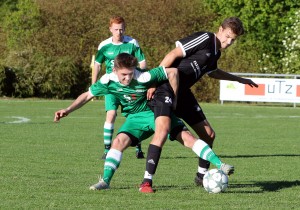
101, 185
227, 169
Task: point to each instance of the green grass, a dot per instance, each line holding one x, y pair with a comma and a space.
46, 165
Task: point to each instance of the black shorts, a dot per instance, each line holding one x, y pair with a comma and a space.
161, 104
187, 107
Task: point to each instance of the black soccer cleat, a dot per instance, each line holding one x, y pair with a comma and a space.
104, 156
139, 155
198, 180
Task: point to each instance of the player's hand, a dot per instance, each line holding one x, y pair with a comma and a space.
150, 92
249, 82
60, 114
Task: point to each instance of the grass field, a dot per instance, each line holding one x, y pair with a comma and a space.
46, 165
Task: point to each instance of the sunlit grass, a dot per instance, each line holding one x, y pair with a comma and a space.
46, 165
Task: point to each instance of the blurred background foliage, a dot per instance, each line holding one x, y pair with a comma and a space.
46, 46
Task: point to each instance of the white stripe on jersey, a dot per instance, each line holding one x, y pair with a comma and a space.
125, 39
195, 41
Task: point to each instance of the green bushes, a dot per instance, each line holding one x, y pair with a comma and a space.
46, 46
39, 56
49, 44
267, 25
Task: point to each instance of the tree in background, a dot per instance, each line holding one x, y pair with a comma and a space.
53, 57
47, 46
265, 23
291, 44
20, 25
33, 59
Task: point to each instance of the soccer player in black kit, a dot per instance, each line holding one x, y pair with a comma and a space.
194, 56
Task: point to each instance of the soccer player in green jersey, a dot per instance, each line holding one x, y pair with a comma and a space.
107, 51
130, 85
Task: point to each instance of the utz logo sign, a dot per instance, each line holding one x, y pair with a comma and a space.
269, 90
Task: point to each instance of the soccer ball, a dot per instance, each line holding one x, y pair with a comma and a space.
215, 181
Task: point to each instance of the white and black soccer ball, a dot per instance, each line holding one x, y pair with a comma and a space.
215, 181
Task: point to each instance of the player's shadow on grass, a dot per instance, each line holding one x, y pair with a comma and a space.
267, 186
236, 156
169, 187
157, 187
179, 157
264, 155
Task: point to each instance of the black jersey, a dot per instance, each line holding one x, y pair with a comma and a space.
200, 56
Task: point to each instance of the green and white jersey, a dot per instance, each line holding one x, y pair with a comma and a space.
132, 97
107, 51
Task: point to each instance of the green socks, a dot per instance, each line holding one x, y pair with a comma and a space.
203, 151
112, 162
107, 135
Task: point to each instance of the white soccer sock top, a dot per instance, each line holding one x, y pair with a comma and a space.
108, 125
115, 154
198, 147
147, 175
202, 170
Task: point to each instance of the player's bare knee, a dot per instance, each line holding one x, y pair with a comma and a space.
209, 137
212, 136
159, 138
120, 143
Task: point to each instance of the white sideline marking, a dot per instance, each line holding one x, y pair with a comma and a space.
20, 120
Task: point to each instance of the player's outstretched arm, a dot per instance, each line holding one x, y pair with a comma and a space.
79, 102
248, 82
171, 57
60, 114
220, 74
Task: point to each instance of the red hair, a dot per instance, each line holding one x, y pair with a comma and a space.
117, 20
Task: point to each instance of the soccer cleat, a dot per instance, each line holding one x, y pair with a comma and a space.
227, 169
198, 180
101, 185
146, 188
139, 155
104, 156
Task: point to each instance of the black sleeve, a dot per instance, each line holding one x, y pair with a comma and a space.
194, 42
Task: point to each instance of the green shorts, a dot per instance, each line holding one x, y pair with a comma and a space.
111, 102
142, 125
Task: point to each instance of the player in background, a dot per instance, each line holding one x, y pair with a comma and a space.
130, 85
194, 56
107, 51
